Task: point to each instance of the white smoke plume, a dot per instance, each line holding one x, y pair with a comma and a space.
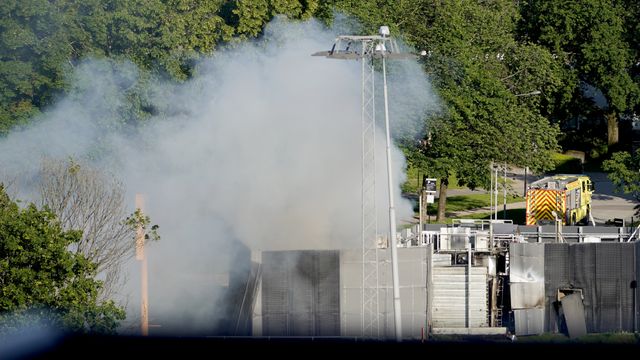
262, 146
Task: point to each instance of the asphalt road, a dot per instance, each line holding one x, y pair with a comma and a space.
607, 203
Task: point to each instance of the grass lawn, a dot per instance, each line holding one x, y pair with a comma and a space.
548, 338
414, 181
601, 338
472, 201
517, 215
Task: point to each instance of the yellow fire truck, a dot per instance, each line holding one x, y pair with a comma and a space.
569, 196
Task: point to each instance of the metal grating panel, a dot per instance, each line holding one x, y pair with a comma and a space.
603, 271
613, 277
556, 275
414, 266
300, 293
327, 309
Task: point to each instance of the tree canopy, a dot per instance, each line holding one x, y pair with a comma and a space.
486, 60
624, 172
594, 42
42, 280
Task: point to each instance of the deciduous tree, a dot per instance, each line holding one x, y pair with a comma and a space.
41, 280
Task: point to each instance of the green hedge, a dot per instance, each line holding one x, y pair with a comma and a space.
566, 164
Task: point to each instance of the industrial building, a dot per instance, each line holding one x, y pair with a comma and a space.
472, 277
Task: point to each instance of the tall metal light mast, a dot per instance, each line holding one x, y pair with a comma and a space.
370, 284
373, 47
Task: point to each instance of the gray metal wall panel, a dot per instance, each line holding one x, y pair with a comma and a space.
527, 295
556, 275
300, 293
413, 265
613, 276
275, 296
526, 262
327, 304
600, 229
429, 289
351, 292
529, 321
527, 228
603, 271
570, 229
504, 228
582, 259
413, 270
573, 309
635, 300
548, 229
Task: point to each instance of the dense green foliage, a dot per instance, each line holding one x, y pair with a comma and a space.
42, 280
486, 60
624, 172
594, 40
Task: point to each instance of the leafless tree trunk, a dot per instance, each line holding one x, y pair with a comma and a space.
86, 199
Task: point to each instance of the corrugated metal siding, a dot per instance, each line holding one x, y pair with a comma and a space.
451, 286
529, 321
351, 293
603, 271
300, 293
327, 304
275, 294
414, 266
556, 275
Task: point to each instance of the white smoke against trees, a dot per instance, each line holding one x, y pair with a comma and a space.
262, 146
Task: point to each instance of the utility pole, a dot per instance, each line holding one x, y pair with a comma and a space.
504, 191
420, 192
526, 169
495, 192
140, 256
491, 203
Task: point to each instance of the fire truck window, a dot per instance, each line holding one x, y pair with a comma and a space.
583, 186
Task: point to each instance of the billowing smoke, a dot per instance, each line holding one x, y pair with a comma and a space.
262, 146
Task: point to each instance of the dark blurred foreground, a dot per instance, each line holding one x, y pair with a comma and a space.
118, 347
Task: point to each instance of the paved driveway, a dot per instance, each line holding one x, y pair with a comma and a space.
607, 204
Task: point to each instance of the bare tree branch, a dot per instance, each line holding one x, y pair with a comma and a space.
86, 199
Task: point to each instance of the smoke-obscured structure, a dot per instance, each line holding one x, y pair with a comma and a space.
259, 151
